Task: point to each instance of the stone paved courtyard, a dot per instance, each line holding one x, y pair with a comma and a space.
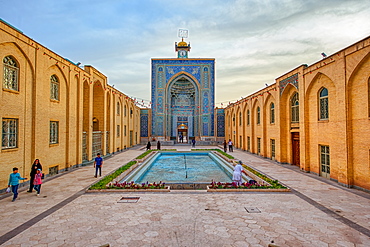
317, 212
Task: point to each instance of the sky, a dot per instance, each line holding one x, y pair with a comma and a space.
252, 41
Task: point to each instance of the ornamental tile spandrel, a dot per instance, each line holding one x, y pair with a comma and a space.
290, 80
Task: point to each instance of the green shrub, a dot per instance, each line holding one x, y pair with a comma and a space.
225, 154
144, 154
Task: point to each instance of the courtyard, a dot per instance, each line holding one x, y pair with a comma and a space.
318, 212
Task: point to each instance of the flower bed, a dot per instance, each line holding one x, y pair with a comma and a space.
247, 190
233, 185
262, 183
167, 189
244, 187
131, 185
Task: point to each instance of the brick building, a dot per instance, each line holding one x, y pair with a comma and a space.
316, 117
56, 111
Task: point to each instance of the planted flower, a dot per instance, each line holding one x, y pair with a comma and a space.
133, 185
246, 185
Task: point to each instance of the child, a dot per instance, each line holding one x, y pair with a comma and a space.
98, 163
14, 182
37, 181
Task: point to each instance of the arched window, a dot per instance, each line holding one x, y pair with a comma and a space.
118, 108
234, 119
54, 88
324, 104
240, 118
125, 111
95, 124
272, 113
248, 117
258, 115
295, 108
10, 74
54, 132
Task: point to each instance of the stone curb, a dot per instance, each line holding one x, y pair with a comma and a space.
129, 190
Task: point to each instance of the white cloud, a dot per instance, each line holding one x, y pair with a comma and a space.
253, 41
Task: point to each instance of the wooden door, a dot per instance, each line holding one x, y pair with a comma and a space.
295, 148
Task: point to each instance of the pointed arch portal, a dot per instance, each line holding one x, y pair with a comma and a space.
182, 101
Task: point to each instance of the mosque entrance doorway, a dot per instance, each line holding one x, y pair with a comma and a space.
182, 133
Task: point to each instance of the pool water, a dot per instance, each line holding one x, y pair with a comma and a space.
182, 168
173, 168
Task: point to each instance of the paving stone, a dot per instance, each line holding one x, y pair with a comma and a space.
180, 219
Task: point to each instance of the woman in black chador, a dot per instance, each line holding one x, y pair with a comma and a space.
225, 146
148, 146
36, 165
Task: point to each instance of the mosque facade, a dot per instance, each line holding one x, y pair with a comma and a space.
183, 97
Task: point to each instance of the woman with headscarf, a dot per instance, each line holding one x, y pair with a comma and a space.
148, 146
36, 165
225, 146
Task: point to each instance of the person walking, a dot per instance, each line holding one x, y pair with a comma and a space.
230, 145
148, 146
14, 182
158, 145
225, 146
193, 142
181, 138
35, 166
98, 163
38, 181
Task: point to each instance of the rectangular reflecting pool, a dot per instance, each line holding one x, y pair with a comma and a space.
182, 168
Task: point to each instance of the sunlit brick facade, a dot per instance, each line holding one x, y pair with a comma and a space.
316, 117
56, 111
